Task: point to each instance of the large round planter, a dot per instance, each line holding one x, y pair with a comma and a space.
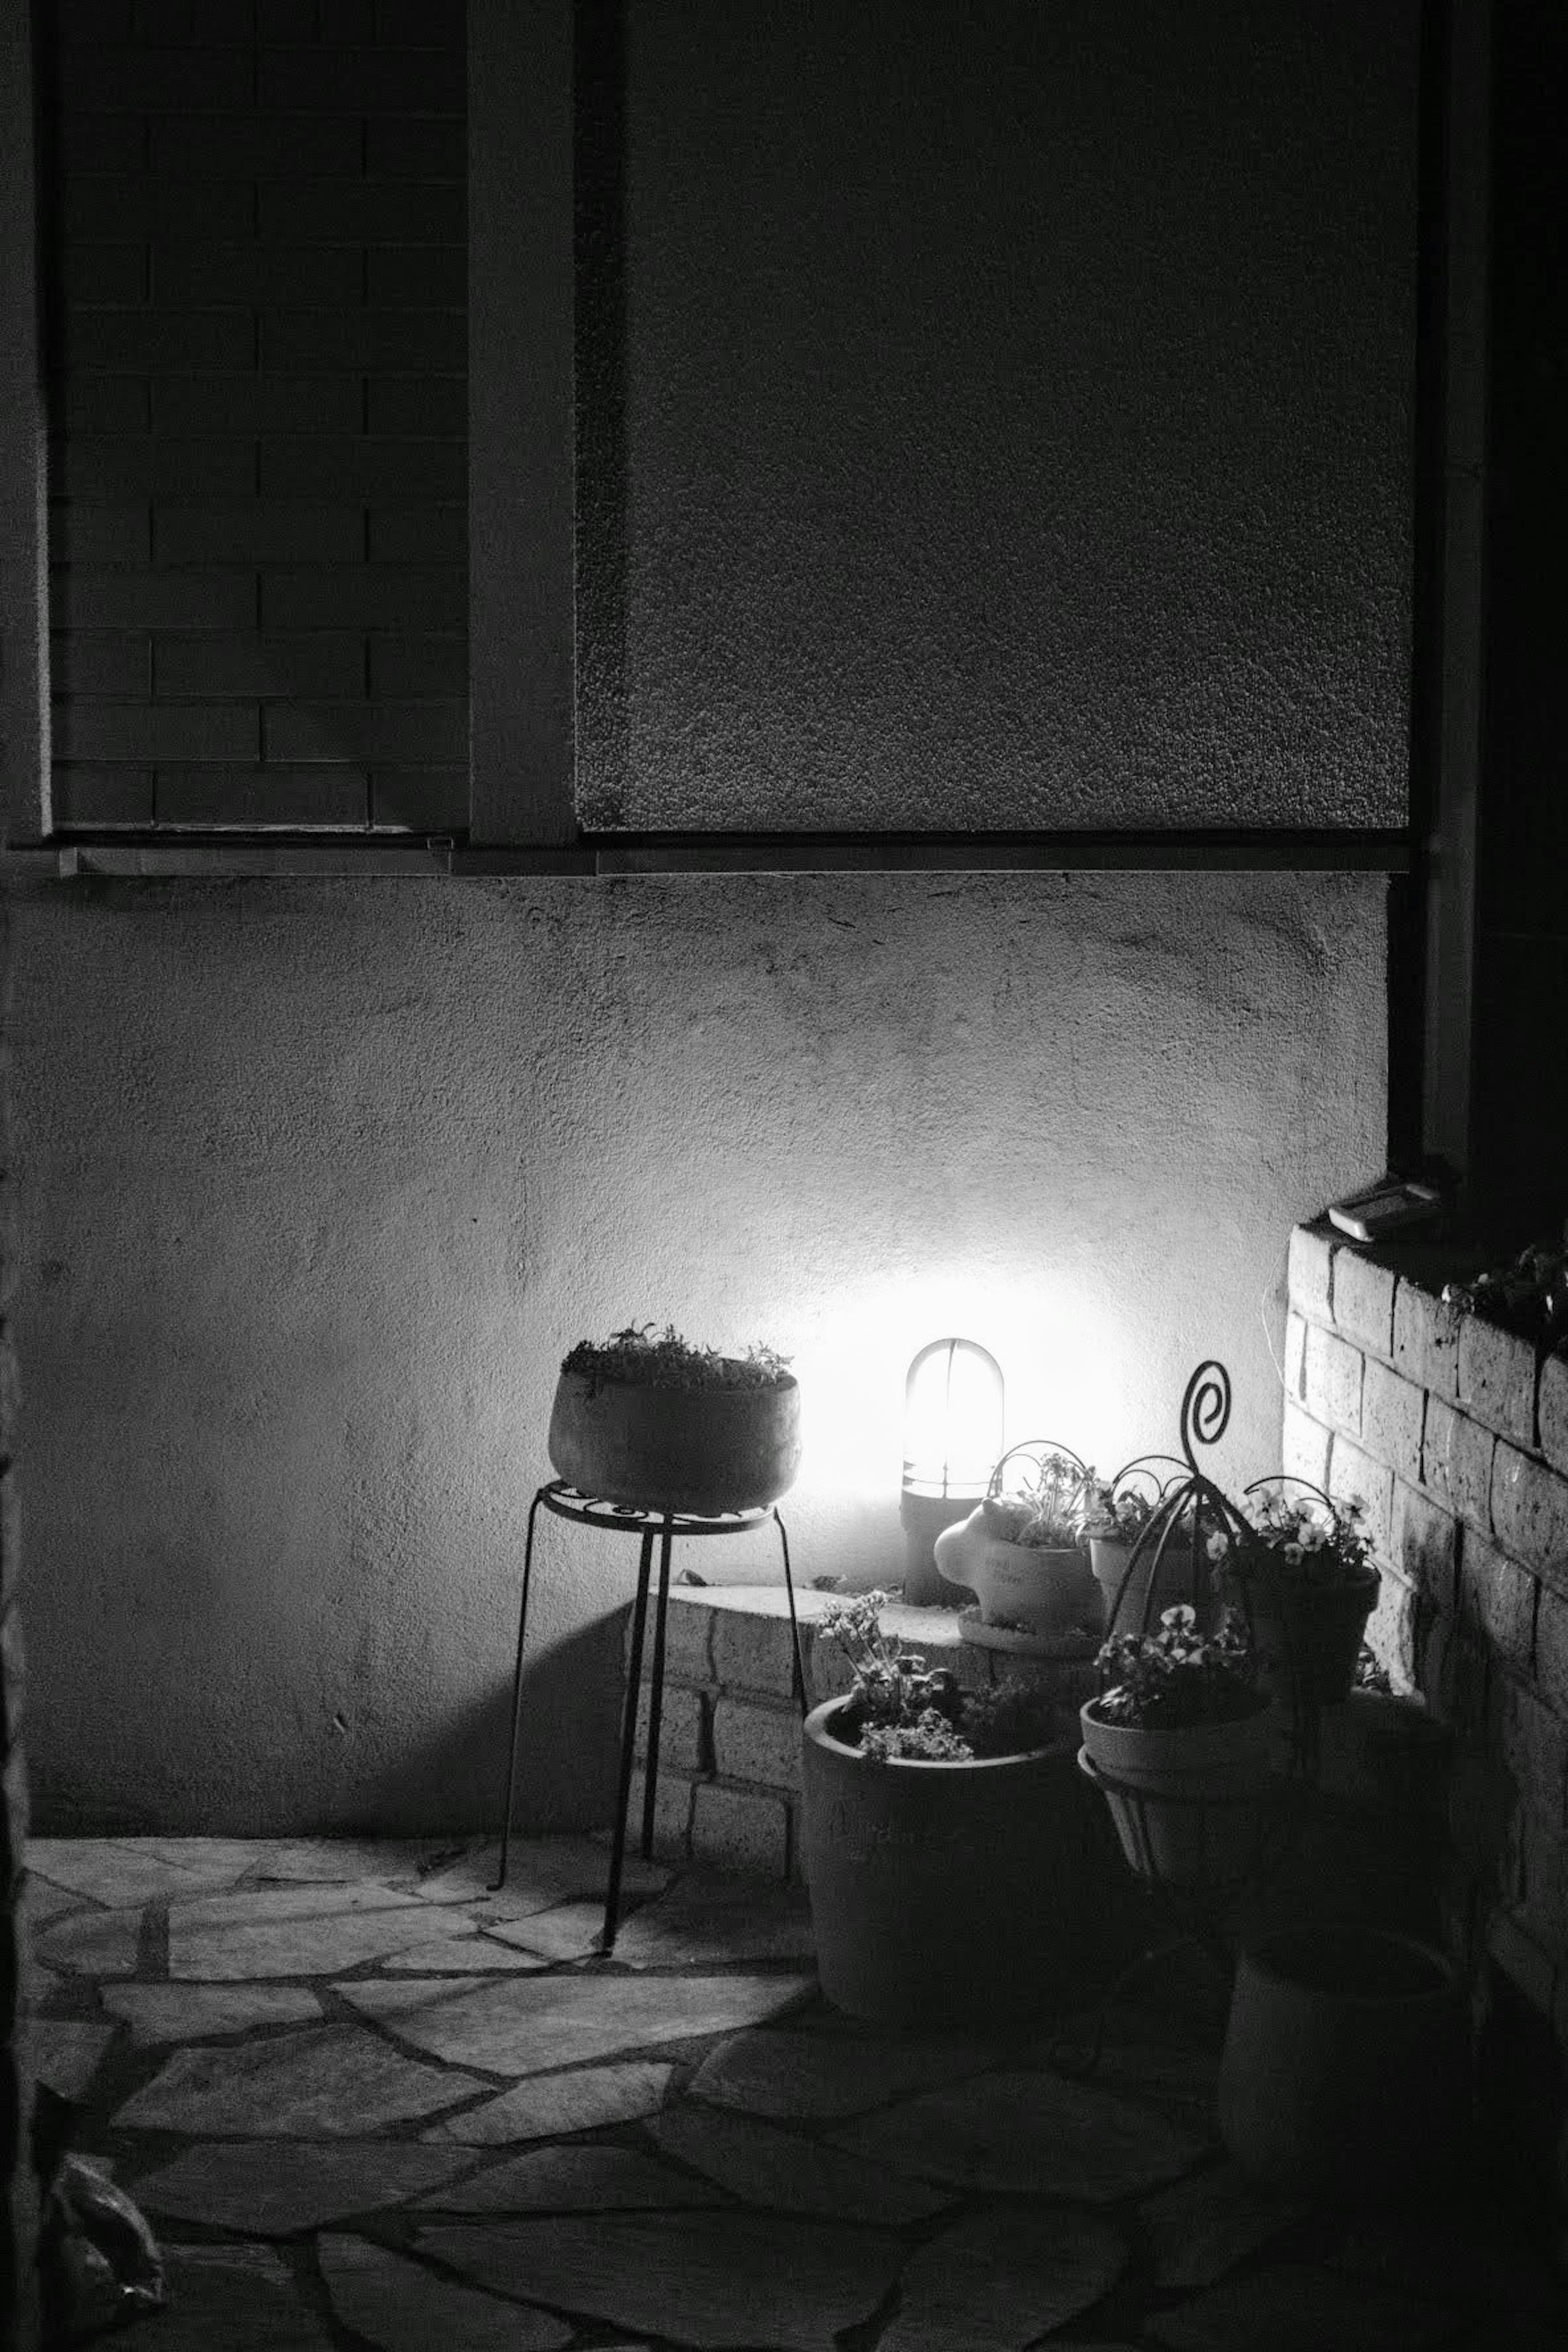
1110, 1560
700, 1451
1343, 2073
944, 1892
1190, 1805
1046, 1591
1308, 1636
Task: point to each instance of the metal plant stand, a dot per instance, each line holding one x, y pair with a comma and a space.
564, 1502
1239, 1837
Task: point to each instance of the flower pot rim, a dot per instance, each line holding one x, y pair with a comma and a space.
595, 1382
816, 1728
1261, 1704
1258, 1956
1038, 1551
1249, 1567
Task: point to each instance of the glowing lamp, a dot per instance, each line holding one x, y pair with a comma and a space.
953, 1436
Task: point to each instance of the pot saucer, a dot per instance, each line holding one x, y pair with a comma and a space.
1019, 1642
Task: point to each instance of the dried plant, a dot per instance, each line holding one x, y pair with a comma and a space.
664, 1359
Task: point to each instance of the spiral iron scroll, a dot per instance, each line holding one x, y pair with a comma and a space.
1205, 1417
1205, 1410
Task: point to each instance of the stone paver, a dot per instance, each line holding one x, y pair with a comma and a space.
705, 1920
344, 1860
549, 2106
541, 1873
1200, 2229
570, 1932
571, 2180
291, 1931
1032, 2132
538, 2023
120, 1872
294, 2085
400, 2306
779, 2169
1025, 2273
1297, 2308
721, 2281
235, 2298
800, 2076
546, 2119
462, 1955
66, 2055
42, 1902
277, 2187
92, 1943
199, 2012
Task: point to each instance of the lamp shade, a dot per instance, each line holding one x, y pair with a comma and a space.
952, 1419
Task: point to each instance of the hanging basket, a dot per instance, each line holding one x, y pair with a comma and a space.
1190, 1803
699, 1450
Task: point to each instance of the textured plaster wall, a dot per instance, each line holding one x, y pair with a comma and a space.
1017, 417
318, 1180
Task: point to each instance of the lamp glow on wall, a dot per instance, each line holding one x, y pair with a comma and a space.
953, 1400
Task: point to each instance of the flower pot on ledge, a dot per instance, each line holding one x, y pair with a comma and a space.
1045, 1588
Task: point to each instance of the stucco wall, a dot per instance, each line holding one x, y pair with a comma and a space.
1017, 415
318, 1182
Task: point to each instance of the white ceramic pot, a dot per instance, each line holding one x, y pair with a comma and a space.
1019, 1584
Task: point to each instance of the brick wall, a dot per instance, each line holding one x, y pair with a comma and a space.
258, 294
727, 1791
1457, 1442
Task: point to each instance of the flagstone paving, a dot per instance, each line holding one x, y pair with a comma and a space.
551, 2105
368, 2105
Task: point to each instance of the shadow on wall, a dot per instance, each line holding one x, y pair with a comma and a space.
455, 1781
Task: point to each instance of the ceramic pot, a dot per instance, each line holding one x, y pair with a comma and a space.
1048, 1592
1343, 2074
1308, 1636
1190, 1805
940, 1891
1110, 1559
700, 1451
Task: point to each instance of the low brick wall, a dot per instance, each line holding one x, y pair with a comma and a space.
729, 1774
1457, 1440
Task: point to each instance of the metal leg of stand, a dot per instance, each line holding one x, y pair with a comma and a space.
628, 1741
794, 1619
656, 1690
517, 1694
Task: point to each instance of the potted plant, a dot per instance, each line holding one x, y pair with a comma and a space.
1020, 1551
1177, 1740
1116, 1519
1300, 1569
952, 1864
649, 1421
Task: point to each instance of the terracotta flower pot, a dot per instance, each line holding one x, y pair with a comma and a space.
1190, 1804
702, 1451
940, 1891
1047, 1591
1343, 2074
1308, 1636
1110, 1557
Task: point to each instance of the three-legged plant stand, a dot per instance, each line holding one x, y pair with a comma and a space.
618, 1518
